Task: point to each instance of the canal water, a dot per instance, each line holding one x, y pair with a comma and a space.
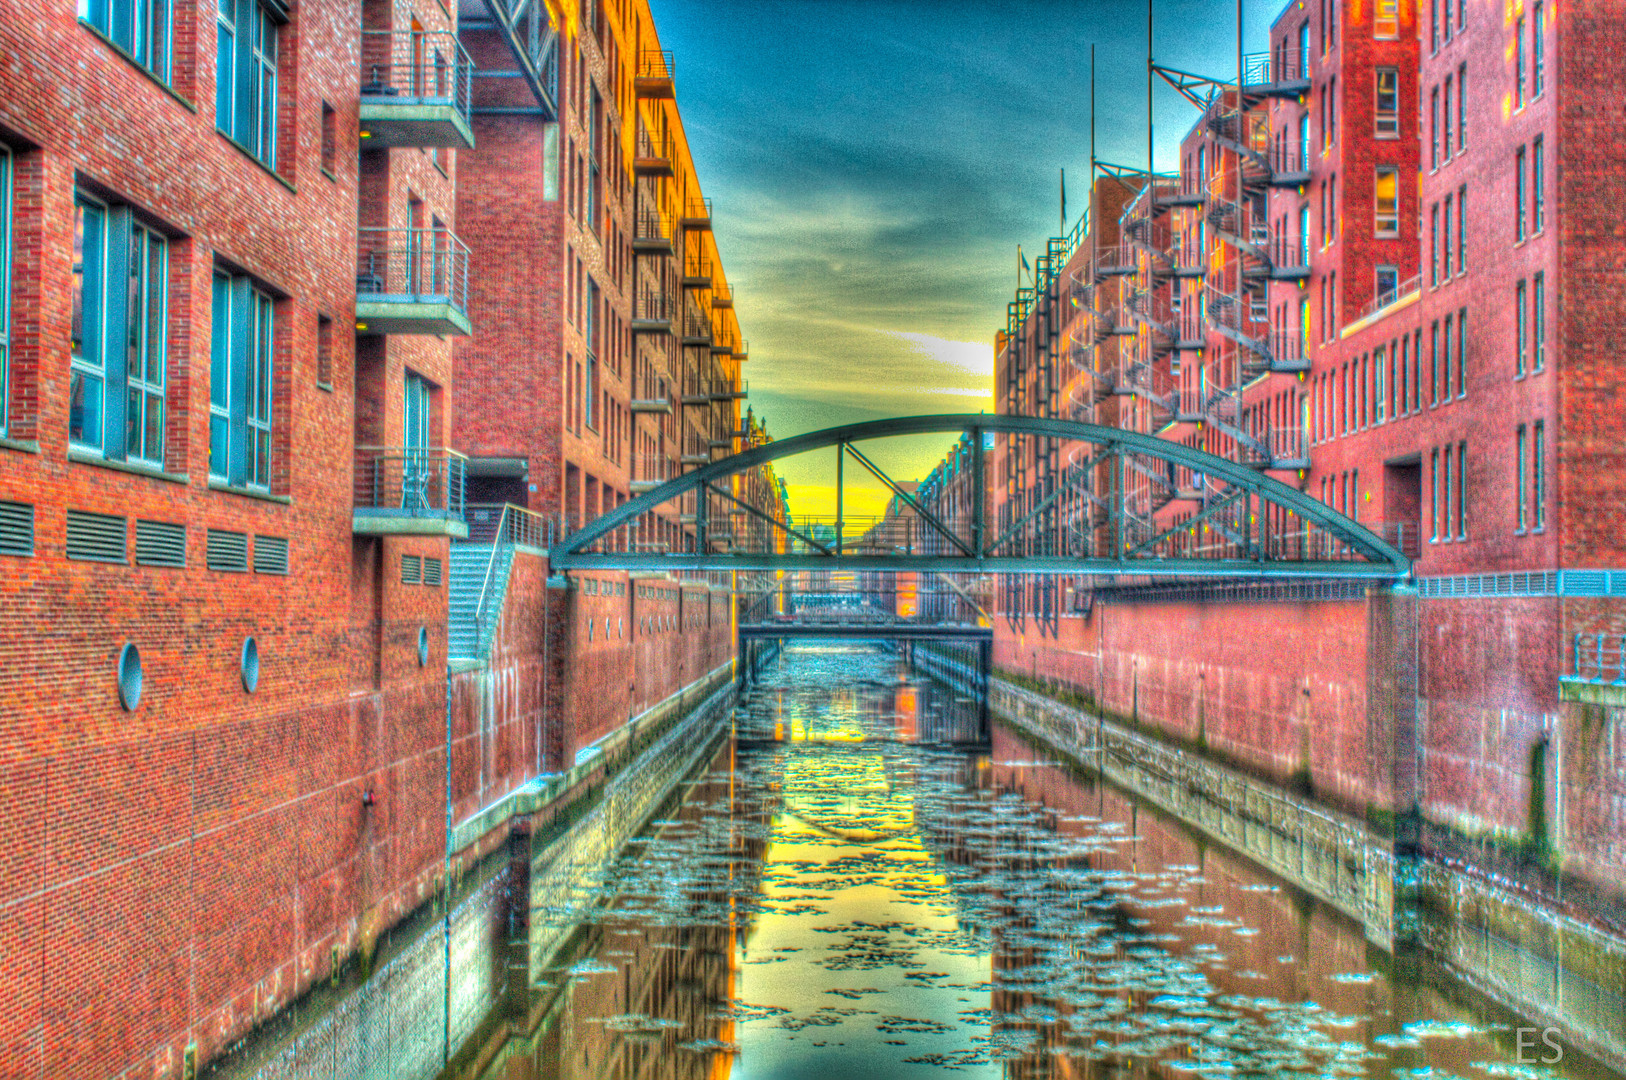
842, 894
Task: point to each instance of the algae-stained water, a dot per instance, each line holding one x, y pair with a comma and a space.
836, 898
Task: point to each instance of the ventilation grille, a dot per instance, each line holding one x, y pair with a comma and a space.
16, 529
96, 537
270, 554
228, 551
160, 543
411, 569
431, 572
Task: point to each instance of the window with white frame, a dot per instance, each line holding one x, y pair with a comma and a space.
1386, 116
246, 41
142, 28
1386, 210
119, 339
240, 383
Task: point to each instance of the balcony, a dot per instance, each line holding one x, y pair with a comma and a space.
696, 330
408, 491
742, 351
696, 215
650, 235
654, 156
651, 403
726, 391
654, 78
651, 314
722, 297
412, 281
650, 471
697, 272
1283, 75
415, 90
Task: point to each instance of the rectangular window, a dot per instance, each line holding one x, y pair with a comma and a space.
5, 288
246, 33
1521, 330
1386, 283
1538, 186
1445, 239
1519, 481
1445, 359
142, 28
1462, 107
1434, 245
1434, 129
1518, 63
1538, 315
1434, 24
1434, 497
1462, 229
1445, 117
240, 383
1518, 195
330, 139
590, 394
1538, 50
1538, 469
324, 352
1417, 372
1434, 365
119, 334
1386, 117
1449, 504
1386, 185
1405, 376
1386, 19
1462, 491
1381, 396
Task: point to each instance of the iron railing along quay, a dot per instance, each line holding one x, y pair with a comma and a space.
409, 482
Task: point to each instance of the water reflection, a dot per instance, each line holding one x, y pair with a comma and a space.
833, 898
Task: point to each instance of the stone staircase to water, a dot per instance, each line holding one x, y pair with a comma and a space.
466, 576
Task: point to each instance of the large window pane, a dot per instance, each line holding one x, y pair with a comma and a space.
87, 338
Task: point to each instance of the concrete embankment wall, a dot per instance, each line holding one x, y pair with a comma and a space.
433, 982
1303, 693
1543, 964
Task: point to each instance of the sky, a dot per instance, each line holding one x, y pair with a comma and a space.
873, 165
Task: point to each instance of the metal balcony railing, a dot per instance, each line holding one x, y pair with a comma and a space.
697, 214
649, 470
409, 481
1598, 658
1389, 296
416, 65
428, 265
1289, 156
1287, 346
655, 64
696, 329
1273, 68
697, 272
505, 523
649, 231
650, 306
654, 154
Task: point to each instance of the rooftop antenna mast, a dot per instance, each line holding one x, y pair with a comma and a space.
1150, 165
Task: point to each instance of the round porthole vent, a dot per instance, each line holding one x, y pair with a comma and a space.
249, 664
423, 646
129, 676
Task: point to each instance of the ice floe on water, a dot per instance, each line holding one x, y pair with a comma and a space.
844, 891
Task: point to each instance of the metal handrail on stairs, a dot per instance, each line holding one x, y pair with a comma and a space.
515, 525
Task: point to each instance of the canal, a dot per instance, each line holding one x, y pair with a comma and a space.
839, 893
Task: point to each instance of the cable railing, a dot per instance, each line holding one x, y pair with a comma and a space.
416, 66
412, 264
409, 481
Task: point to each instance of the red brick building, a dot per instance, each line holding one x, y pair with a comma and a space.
292, 303
1308, 295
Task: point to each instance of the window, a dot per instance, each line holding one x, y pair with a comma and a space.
324, 352
1462, 108
1519, 522
240, 384
1521, 331
1386, 19
1462, 491
1538, 186
119, 334
1417, 372
246, 75
1445, 238
1332, 112
141, 28
1538, 303
1434, 364
330, 139
1386, 184
1538, 50
1387, 282
1434, 24
5, 287
1445, 359
1434, 496
1462, 353
1434, 245
1462, 229
1538, 469
1386, 119
1518, 195
1434, 129
1449, 504
1445, 117
1518, 63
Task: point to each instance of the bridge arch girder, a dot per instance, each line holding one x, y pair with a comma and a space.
1326, 543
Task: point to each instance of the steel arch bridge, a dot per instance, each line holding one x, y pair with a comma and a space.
1124, 504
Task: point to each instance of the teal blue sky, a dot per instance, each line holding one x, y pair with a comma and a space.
875, 163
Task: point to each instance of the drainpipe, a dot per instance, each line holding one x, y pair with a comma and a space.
446, 895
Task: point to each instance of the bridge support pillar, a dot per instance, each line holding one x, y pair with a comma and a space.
1393, 781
